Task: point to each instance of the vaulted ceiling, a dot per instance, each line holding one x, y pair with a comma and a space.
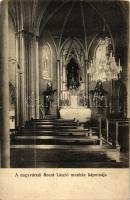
72, 18
85, 19
69, 15
77, 17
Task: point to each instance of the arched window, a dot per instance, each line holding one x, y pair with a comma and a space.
103, 66
46, 62
102, 49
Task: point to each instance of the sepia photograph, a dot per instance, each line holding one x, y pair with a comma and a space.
64, 99
64, 84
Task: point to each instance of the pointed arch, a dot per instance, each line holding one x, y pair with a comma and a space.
72, 44
72, 49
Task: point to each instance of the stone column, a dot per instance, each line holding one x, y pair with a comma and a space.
20, 80
128, 71
86, 79
61, 80
28, 60
128, 92
58, 81
37, 78
33, 73
16, 85
4, 87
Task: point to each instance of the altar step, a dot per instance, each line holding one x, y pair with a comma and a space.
55, 133
53, 120
56, 123
51, 127
47, 124
58, 140
51, 124
55, 140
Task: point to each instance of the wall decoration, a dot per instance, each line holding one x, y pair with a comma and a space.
46, 62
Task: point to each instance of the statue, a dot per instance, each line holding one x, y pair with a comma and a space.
48, 97
72, 75
49, 86
99, 95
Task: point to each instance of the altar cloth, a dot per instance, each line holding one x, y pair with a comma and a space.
81, 113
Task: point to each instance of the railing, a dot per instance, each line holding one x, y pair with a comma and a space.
100, 130
110, 134
112, 130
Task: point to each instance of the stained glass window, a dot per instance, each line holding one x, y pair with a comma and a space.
46, 62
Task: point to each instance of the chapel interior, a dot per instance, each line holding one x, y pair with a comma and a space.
64, 84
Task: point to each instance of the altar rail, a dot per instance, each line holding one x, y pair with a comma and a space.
113, 127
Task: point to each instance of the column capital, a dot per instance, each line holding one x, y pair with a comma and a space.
86, 60
27, 34
21, 72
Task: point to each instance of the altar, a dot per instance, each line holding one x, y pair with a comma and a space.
81, 113
73, 98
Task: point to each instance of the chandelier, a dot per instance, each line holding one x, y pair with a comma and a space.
104, 66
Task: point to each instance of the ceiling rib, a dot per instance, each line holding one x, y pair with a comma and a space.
52, 14
64, 24
84, 26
